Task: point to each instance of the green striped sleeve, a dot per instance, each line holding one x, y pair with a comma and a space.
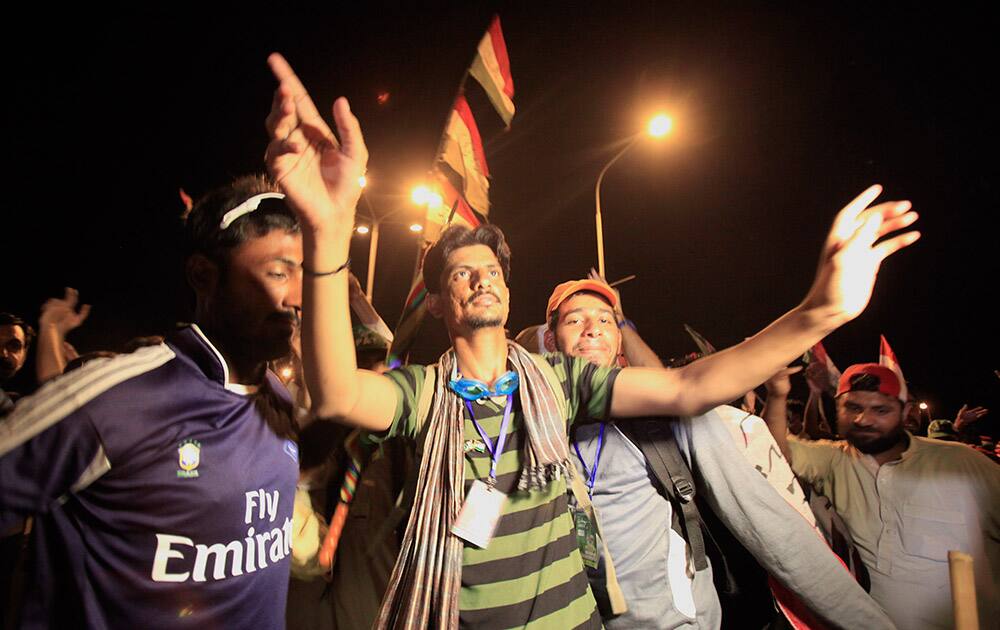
409, 383
587, 386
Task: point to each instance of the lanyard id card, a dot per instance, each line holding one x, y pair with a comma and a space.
586, 538
484, 504
480, 513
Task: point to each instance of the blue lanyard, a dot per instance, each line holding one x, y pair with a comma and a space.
597, 460
501, 439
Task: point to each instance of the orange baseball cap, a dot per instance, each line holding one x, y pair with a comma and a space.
568, 289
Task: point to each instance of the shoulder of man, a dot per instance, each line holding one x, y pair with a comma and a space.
957, 455
415, 386
586, 386
84, 388
841, 447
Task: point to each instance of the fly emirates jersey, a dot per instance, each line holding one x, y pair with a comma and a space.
163, 499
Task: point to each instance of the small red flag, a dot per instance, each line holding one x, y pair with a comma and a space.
887, 358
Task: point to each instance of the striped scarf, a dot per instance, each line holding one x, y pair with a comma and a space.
425, 584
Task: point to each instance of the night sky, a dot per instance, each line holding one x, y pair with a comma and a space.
781, 117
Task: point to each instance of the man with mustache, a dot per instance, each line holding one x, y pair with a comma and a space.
15, 339
490, 542
163, 480
906, 500
645, 510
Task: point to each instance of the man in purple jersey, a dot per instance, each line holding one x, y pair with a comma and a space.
163, 480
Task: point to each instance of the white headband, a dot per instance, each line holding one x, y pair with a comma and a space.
246, 207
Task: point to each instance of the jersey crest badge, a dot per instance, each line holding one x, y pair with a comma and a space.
188, 458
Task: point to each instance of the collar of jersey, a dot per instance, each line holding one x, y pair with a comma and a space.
217, 369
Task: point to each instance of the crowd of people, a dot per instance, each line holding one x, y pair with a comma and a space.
562, 479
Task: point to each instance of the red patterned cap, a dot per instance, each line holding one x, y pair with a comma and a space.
870, 377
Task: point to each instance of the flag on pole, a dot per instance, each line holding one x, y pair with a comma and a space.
413, 315
491, 68
463, 152
887, 358
703, 345
454, 207
460, 174
817, 354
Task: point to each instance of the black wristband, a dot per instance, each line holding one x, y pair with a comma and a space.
316, 274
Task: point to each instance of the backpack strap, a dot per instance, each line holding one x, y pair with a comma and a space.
656, 440
615, 595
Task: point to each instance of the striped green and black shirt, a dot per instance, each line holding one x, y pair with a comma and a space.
531, 575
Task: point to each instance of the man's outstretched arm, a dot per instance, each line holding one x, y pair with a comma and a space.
320, 178
848, 266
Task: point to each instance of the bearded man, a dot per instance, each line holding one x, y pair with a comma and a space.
906, 500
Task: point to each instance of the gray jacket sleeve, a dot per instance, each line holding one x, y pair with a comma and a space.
717, 446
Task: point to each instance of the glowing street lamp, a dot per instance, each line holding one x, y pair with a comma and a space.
924, 409
658, 127
421, 195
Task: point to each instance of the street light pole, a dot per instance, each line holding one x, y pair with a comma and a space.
373, 233
657, 127
597, 203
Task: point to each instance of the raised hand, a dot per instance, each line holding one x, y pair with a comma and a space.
818, 379
619, 311
851, 256
63, 313
966, 416
319, 175
779, 385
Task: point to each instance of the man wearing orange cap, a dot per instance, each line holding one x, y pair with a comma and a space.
638, 475
593, 301
906, 500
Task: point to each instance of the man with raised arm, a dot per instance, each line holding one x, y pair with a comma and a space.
490, 542
906, 500
641, 476
162, 481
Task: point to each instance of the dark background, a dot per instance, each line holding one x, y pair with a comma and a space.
782, 117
